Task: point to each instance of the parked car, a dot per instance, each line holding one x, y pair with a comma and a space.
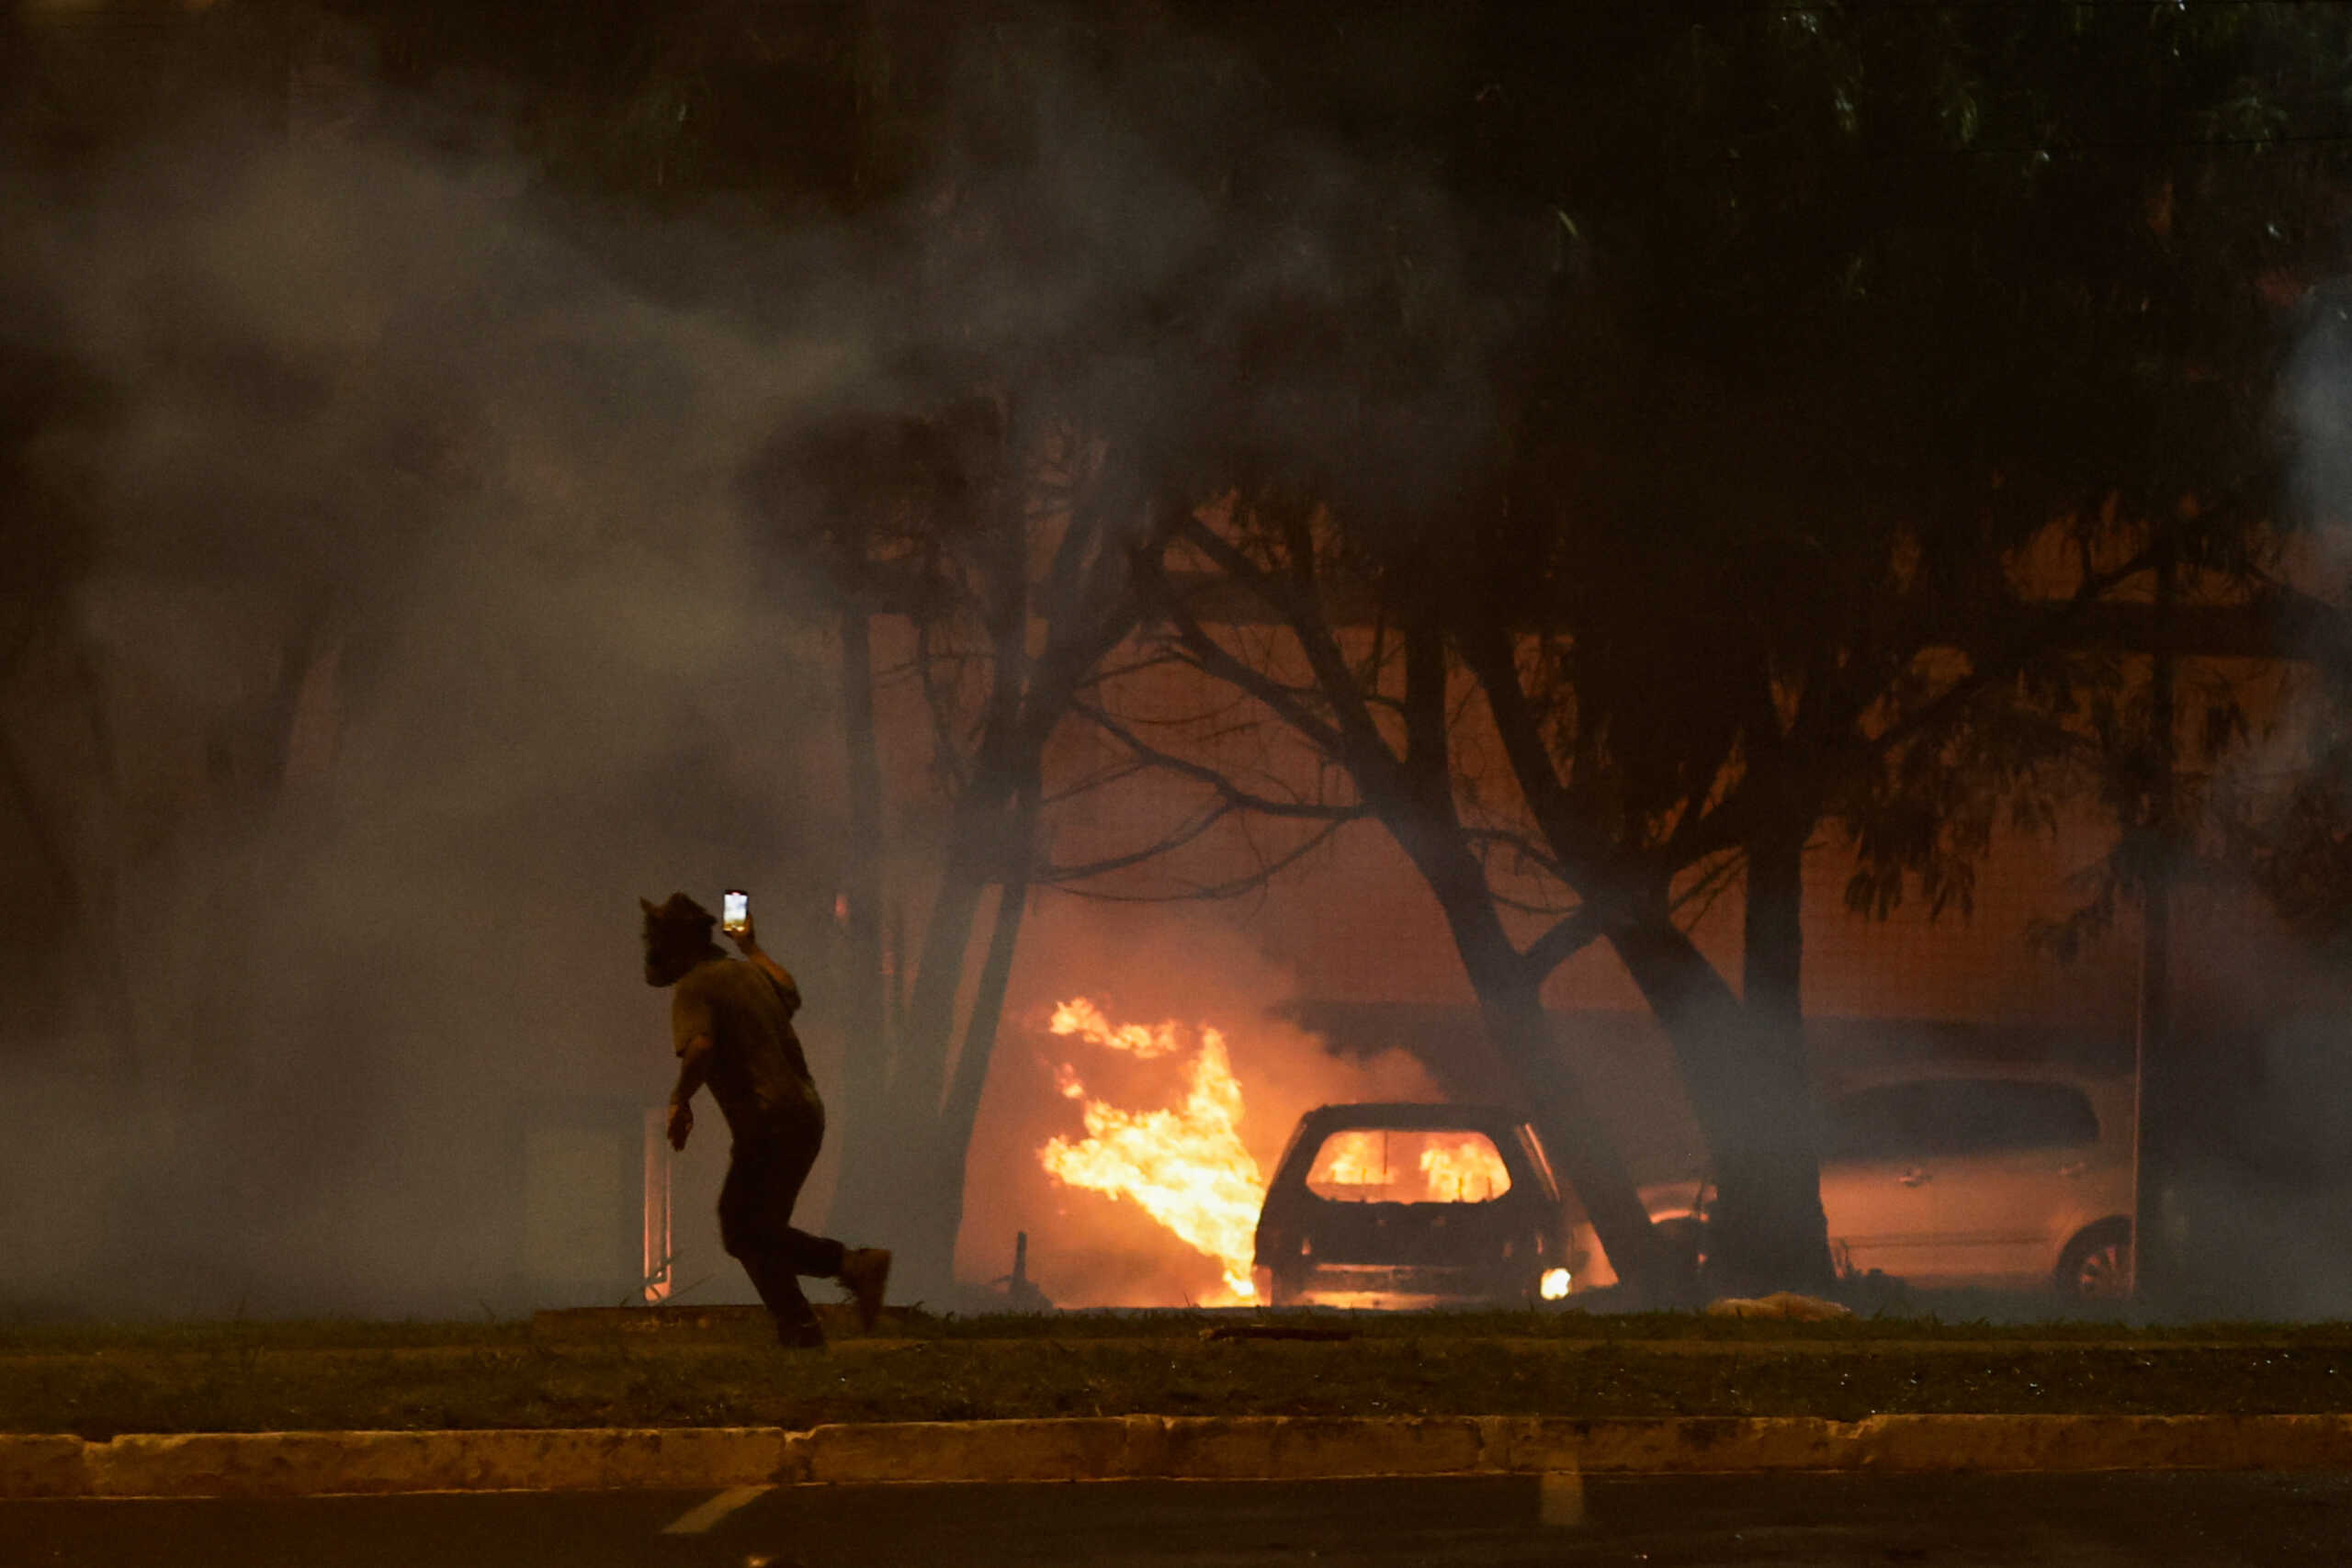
1403, 1205
1997, 1175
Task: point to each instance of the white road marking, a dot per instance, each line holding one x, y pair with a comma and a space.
710, 1510
1560, 1498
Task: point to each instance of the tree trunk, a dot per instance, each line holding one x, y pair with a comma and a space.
1747, 1084
1583, 1155
1510, 1004
924, 1214
866, 1058
1417, 803
975, 860
962, 1106
890, 1190
1787, 1181
942, 1217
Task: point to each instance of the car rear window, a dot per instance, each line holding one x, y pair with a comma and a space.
1957, 1116
1408, 1165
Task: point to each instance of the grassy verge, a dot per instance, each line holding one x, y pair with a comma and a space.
1954, 1318
242, 1376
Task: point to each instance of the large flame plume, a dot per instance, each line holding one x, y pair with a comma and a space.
1186, 1167
1083, 1019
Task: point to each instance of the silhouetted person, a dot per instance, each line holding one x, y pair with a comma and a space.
731, 1024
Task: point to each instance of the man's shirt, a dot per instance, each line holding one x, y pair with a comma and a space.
757, 1071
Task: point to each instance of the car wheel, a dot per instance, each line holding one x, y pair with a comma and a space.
2096, 1265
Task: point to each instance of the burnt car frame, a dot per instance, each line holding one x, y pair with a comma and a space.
1489, 1243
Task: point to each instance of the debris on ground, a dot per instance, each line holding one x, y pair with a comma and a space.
1780, 1303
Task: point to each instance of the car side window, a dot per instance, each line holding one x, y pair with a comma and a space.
1890, 1122
1952, 1117
1991, 1115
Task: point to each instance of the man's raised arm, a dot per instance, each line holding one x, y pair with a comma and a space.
747, 942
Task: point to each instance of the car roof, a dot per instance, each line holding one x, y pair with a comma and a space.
1973, 1072
1402, 1114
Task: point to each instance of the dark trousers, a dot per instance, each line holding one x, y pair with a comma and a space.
764, 1174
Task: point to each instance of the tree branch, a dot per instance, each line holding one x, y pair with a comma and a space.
1233, 794
1565, 939
1231, 889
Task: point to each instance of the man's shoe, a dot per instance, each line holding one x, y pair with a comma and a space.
801, 1336
867, 1272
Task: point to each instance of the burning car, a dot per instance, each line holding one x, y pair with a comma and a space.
1412, 1205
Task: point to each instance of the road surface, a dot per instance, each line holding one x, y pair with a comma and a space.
2106, 1521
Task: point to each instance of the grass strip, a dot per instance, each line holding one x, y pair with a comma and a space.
1957, 1319
500, 1376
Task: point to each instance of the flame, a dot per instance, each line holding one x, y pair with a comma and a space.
1085, 1020
1468, 1170
1355, 1159
1187, 1166
1458, 1168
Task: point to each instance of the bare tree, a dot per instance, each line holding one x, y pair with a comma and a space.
1353, 710
1005, 556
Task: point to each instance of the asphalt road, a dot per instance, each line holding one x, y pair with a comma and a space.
2106, 1521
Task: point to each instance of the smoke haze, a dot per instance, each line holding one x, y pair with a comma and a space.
407, 621
424, 632
391, 613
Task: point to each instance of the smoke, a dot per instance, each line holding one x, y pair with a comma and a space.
2261, 1211
2317, 404
423, 631
406, 620
387, 615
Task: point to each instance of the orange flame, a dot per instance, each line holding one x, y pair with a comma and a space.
1363, 1166
1085, 1020
1466, 1171
1352, 1159
1186, 1168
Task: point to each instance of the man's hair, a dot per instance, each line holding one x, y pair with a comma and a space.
677, 923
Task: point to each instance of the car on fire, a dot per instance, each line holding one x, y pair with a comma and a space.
1413, 1205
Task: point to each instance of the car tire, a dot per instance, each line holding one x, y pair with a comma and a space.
2096, 1265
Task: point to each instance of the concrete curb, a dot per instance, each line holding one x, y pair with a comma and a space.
301, 1464
1136, 1448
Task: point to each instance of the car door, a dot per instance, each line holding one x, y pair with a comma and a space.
1877, 1189
2010, 1156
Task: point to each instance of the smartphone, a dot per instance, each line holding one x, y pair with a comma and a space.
734, 911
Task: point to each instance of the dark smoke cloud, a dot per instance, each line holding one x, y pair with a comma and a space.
391, 435
425, 626
2264, 1204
